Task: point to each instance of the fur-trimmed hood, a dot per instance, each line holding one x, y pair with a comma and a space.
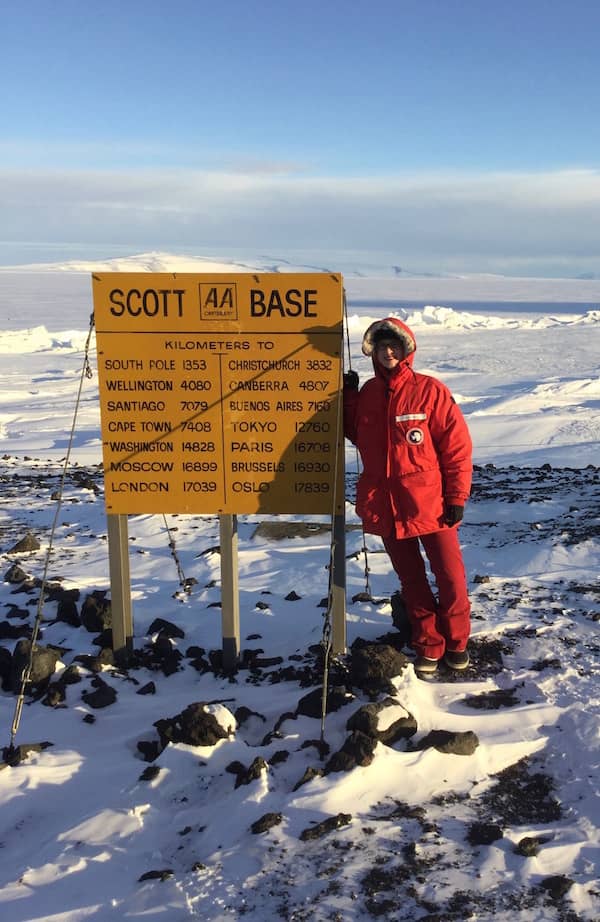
393, 328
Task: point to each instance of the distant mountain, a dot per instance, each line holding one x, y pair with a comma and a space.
588, 276
408, 274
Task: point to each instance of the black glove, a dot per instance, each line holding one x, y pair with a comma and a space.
453, 514
351, 381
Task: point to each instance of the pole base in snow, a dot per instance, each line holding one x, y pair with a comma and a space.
14, 755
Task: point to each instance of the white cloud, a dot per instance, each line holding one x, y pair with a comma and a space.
507, 222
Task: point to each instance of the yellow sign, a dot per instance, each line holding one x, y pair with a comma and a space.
220, 393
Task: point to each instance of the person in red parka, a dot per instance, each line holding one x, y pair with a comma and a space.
416, 455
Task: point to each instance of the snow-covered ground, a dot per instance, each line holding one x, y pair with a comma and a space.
506, 829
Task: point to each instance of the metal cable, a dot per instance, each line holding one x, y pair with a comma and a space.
367, 595
183, 582
86, 372
326, 636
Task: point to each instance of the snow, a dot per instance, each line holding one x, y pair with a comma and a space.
81, 824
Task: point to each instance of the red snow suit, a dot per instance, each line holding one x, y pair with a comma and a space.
414, 445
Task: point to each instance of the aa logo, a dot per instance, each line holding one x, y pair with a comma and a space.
218, 302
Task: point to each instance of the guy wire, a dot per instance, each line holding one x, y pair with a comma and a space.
86, 372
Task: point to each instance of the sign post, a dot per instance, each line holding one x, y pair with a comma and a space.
220, 394
118, 562
230, 599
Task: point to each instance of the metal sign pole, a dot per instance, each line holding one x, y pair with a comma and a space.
230, 599
120, 585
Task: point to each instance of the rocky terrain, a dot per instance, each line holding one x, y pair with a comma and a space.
459, 797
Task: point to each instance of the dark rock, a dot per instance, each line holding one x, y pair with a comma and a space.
484, 833
148, 689
201, 664
88, 662
311, 705
28, 586
492, 700
150, 773
277, 531
341, 762
102, 697
16, 574
149, 749
159, 625
449, 742
14, 611
266, 822
55, 695
43, 664
323, 748
10, 631
89, 719
548, 663
96, 612
281, 755
28, 543
166, 655
165, 874
557, 886
372, 666
195, 726
106, 657
70, 676
105, 639
363, 596
249, 657
216, 660
400, 618
308, 775
252, 773
530, 846
358, 749
321, 829
243, 714
292, 597
400, 729
68, 612
366, 720
5, 668
55, 592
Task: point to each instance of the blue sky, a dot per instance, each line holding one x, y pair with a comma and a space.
457, 135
